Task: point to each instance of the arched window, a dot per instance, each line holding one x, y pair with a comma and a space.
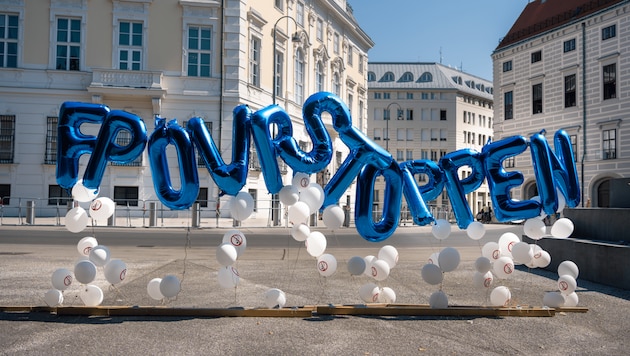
319, 76
407, 77
388, 77
426, 77
299, 76
371, 77
336, 84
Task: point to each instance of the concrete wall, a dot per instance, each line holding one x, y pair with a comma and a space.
604, 224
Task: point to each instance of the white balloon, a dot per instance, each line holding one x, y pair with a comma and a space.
299, 212
568, 267
237, 239
541, 259
386, 295
369, 293
76, 219
441, 229
84, 271
476, 230
562, 202
91, 295
226, 254
228, 277
153, 289
506, 242
61, 279
389, 254
438, 300
53, 298
571, 300
333, 217
483, 264
491, 251
434, 258
301, 181
369, 259
275, 298
503, 267
115, 271
356, 266
432, 274
500, 296
553, 300
85, 245
102, 208
99, 255
315, 244
562, 228
483, 280
82, 194
522, 252
535, 229
448, 259
380, 270
289, 195
242, 206
300, 232
567, 284
313, 196
326, 265
170, 286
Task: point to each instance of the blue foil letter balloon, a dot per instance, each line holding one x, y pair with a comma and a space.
172, 134
415, 195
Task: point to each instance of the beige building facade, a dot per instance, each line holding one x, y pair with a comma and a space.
175, 59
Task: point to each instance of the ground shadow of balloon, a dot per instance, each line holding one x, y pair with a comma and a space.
583, 285
317, 318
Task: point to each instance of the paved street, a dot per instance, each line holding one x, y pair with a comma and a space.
29, 255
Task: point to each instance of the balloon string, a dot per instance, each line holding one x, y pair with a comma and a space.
119, 294
187, 245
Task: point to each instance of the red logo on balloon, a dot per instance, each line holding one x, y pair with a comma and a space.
375, 298
235, 271
496, 254
374, 272
508, 268
67, 281
564, 285
86, 251
123, 274
487, 282
323, 266
236, 240
96, 205
304, 182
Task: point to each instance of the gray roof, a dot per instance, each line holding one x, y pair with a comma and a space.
441, 78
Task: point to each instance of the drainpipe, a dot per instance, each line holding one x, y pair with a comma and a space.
583, 107
221, 99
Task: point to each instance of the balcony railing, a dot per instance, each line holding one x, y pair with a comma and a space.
114, 78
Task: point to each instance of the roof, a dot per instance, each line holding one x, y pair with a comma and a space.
543, 15
426, 75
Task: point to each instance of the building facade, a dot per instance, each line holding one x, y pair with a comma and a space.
563, 65
424, 111
175, 59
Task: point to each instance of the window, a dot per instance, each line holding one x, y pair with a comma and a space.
424, 154
409, 155
299, 76
442, 115
509, 162
299, 13
609, 32
507, 66
68, 44
426, 77
610, 81
336, 43
50, 156
537, 94
609, 143
407, 77
126, 196
508, 105
377, 95
386, 95
574, 147
279, 4
202, 197
279, 73
425, 96
319, 76
371, 77
199, 51
536, 56
254, 61
8, 40
58, 196
409, 96
409, 114
443, 134
409, 134
399, 114
400, 134
361, 64
123, 139
386, 114
254, 162
337, 86
254, 194
434, 134
320, 29
130, 45
569, 45
7, 137
388, 77
434, 156
377, 134
338, 158
350, 56
400, 155
569, 91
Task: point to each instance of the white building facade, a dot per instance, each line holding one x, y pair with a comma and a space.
175, 59
424, 111
567, 70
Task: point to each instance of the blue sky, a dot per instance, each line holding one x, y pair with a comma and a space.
467, 31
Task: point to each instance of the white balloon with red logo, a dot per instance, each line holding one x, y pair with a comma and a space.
237, 239
326, 265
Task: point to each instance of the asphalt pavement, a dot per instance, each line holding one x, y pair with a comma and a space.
29, 255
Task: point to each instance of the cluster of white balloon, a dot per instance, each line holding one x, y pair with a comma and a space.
379, 268
568, 273
92, 256
232, 247
101, 209
164, 288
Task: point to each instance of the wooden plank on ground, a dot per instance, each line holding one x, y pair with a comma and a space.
425, 310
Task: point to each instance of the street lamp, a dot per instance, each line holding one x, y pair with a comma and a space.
386, 135
294, 38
